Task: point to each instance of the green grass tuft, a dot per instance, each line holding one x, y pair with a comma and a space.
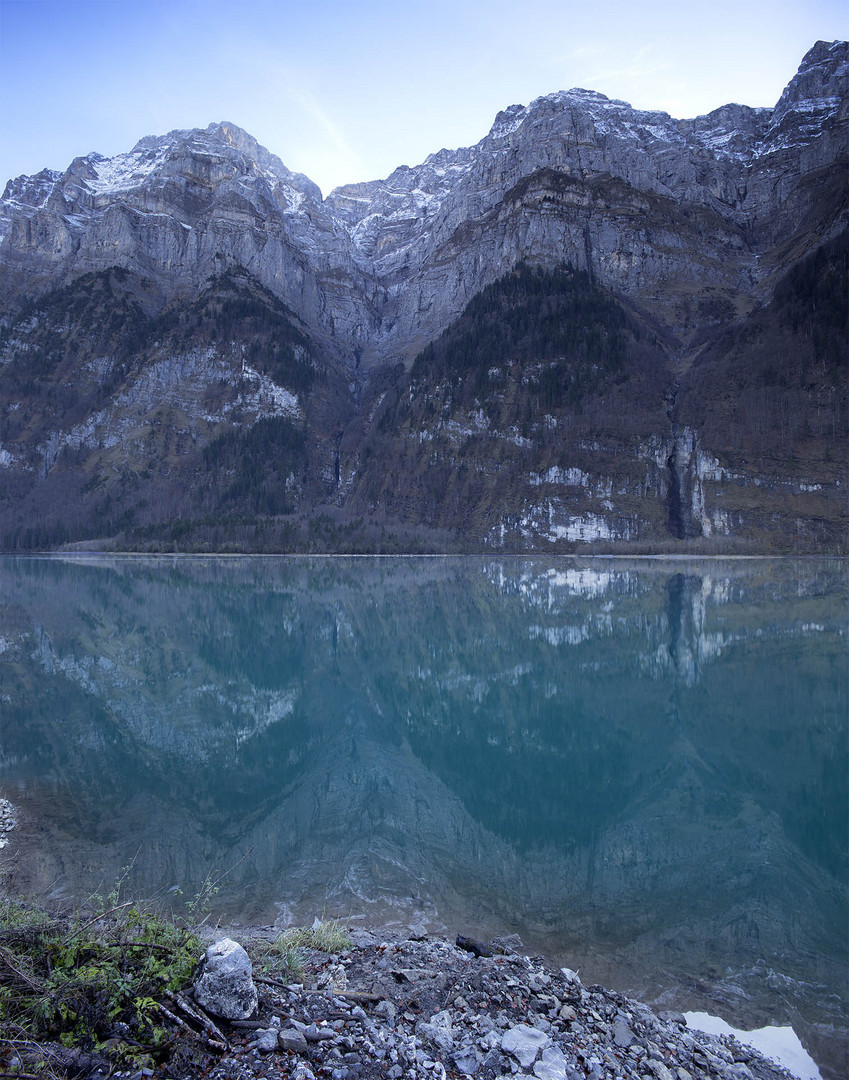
326, 935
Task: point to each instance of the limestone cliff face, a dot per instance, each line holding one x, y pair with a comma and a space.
653, 206
690, 227
177, 209
676, 215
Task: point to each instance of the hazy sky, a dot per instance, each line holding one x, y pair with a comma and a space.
346, 90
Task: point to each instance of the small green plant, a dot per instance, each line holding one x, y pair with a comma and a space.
284, 957
146, 1008
202, 902
100, 904
15, 914
210, 887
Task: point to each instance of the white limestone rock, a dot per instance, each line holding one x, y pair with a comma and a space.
224, 984
524, 1043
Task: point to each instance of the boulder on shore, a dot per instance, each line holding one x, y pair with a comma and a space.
224, 984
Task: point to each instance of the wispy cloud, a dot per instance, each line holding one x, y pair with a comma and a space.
340, 144
643, 64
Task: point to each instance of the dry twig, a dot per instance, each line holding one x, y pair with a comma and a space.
91, 922
27, 980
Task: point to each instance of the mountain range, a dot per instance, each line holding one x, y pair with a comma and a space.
598, 325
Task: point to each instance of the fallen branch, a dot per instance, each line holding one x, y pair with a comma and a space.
271, 982
190, 1031
198, 1016
27, 980
24, 1041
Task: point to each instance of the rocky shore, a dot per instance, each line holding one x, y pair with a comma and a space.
394, 1003
421, 1008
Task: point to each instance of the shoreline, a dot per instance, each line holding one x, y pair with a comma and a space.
329, 1002
396, 1006
691, 556
530, 991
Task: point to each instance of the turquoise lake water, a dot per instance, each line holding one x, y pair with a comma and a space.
639, 766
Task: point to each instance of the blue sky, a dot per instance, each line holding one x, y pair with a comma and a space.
346, 90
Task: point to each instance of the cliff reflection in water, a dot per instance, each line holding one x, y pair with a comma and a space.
641, 767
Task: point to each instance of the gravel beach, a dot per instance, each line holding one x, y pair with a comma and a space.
421, 1007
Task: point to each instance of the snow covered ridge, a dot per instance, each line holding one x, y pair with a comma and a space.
817, 91
218, 143
32, 190
157, 157
816, 94
817, 86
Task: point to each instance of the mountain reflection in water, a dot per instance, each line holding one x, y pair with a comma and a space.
639, 766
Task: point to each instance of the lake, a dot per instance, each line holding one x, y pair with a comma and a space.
640, 766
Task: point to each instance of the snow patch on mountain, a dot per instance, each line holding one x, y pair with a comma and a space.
124, 171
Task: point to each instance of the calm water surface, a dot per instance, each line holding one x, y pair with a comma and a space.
639, 766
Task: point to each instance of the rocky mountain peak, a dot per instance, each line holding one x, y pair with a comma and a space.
225, 142
588, 97
32, 190
231, 135
220, 153
392, 234
507, 121
731, 131
819, 88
